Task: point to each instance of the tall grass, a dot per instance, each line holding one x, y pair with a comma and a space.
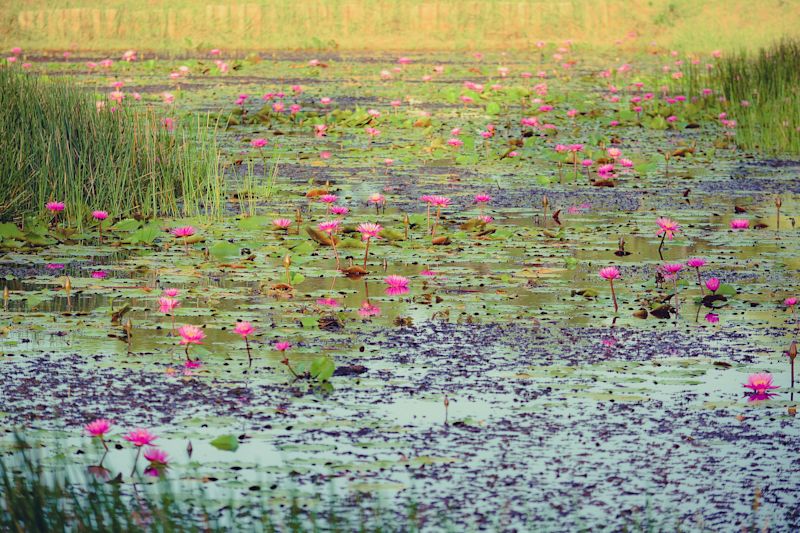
36, 498
56, 145
763, 94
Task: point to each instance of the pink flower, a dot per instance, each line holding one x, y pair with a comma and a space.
282, 346
320, 130
667, 227
614, 153
99, 274
396, 281
172, 293
55, 207
258, 143
712, 318
482, 198
606, 171
740, 223
140, 437
328, 198
367, 310
328, 302
428, 273
790, 302
760, 383
377, 198
191, 335
712, 284
325, 155
329, 227
369, 230
192, 365
339, 210
325, 100
185, 231
609, 273
155, 455
486, 219
440, 201
282, 223
244, 329
696, 262
672, 268
455, 142
99, 215
372, 132
98, 428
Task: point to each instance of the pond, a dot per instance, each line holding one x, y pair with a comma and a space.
495, 386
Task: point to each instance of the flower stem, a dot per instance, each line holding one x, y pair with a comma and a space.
614, 296
366, 254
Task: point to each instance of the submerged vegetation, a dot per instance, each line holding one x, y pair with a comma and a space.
57, 143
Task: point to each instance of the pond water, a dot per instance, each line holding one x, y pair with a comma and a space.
502, 384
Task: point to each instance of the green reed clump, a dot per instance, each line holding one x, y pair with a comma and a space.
55, 144
763, 95
38, 496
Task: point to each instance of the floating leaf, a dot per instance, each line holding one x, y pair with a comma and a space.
228, 443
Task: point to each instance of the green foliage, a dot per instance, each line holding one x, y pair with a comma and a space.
56, 145
228, 443
767, 83
322, 368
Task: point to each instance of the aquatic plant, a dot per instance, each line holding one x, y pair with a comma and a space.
56, 144
667, 229
190, 335
368, 232
696, 263
98, 429
760, 383
762, 90
245, 329
611, 273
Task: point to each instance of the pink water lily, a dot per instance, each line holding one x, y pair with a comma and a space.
156, 455
245, 329
368, 232
139, 437
760, 383
611, 273
190, 335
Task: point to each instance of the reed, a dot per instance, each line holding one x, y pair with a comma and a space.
762, 91
35, 497
55, 144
